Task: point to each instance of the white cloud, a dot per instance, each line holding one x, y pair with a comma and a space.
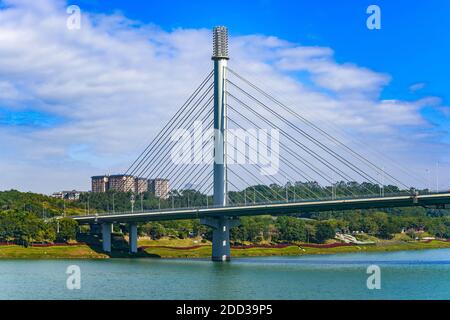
328, 74
8, 92
417, 86
115, 82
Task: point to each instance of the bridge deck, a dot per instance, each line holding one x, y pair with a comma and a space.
440, 199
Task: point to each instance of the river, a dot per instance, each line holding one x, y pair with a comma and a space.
404, 275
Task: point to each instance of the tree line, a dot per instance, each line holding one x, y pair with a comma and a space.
27, 217
26, 227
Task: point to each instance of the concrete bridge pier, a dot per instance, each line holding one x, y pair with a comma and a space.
106, 236
221, 236
133, 237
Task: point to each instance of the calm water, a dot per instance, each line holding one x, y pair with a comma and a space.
404, 275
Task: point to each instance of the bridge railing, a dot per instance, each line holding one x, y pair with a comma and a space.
249, 204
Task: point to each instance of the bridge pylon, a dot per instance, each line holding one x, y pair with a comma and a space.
221, 225
221, 236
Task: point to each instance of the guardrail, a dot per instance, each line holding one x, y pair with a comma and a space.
250, 204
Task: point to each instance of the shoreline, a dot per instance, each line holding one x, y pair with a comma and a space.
83, 251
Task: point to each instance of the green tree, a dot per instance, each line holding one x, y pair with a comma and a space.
324, 231
67, 229
291, 229
154, 230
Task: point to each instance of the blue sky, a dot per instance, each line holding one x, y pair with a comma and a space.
62, 91
412, 45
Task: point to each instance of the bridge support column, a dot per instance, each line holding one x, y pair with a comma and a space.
221, 236
133, 237
106, 235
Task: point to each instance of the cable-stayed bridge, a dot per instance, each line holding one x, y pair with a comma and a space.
247, 153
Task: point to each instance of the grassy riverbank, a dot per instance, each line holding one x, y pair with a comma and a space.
167, 249
294, 250
66, 252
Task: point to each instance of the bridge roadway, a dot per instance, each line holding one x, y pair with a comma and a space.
229, 216
439, 200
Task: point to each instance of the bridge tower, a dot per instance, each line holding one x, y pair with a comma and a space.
220, 58
221, 226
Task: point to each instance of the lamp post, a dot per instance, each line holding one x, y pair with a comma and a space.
114, 207
133, 200
437, 176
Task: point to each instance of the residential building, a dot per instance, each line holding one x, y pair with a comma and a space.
100, 183
67, 195
119, 183
160, 187
141, 185
122, 183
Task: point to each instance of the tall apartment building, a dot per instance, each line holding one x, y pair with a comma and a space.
100, 183
141, 185
119, 183
160, 187
122, 183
